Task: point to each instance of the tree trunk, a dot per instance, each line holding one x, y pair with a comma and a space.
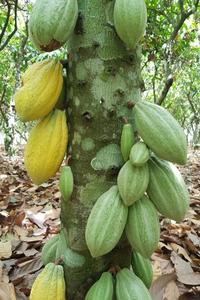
103, 83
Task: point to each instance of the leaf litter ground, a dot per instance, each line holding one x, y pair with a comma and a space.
29, 215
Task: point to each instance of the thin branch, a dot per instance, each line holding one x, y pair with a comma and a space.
14, 30
4, 116
1, 103
6, 22
184, 16
181, 6
21, 134
168, 84
154, 82
20, 55
192, 106
3, 95
160, 12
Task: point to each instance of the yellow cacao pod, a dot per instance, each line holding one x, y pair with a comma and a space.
33, 70
49, 284
42, 85
46, 147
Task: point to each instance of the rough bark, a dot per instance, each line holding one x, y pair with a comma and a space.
103, 82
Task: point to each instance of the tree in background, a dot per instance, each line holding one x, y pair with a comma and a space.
170, 61
14, 57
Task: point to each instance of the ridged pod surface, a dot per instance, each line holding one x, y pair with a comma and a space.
142, 267
49, 284
127, 140
52, 22
139, 154
40, 92
57, 248
130, 19
130, 287
143, 228
161, 132
132, 182
46, 147
49, 250
101, 289
106, 223
167, 189
32, 70
66, 182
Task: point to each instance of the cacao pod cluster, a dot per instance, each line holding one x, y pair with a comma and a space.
41, 98
36, 100
126, 285
50, 26
147, 183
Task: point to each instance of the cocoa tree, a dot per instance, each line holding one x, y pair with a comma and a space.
103, 83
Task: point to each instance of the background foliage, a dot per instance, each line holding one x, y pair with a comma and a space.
170, 64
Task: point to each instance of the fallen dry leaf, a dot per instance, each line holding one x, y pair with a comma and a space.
162, 245
171, 291
27, 267
158, 287
7, 291
190, 296
180, 250
184, 271
194, 239
5, 249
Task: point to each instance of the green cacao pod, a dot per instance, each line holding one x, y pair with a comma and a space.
161, 132
102, 289
132, 182
167, 189
52, 22
106, 223
49, 284
130, 287
143, 228
130, 19
66, 182
57, 248
49, 250
127, 140
139, 154
142, 267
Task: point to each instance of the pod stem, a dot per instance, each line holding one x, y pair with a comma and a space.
125, 119
59, 261
68, 159
114, 270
